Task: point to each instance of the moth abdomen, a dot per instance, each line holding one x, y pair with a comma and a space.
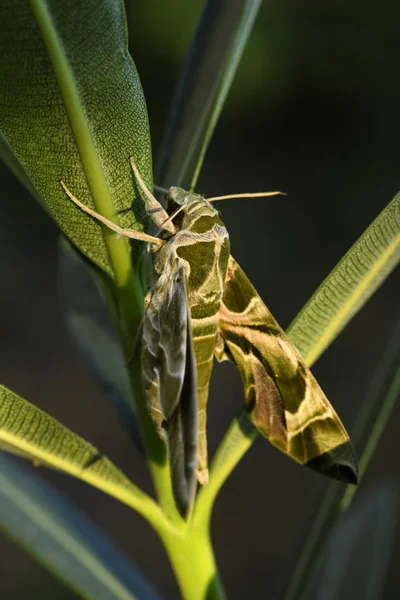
204, 338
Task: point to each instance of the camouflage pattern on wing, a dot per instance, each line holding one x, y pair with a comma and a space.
283, 399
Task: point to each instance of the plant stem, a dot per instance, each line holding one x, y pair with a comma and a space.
234, 445
192, 558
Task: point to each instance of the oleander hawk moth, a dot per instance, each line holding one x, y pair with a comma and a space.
201, 305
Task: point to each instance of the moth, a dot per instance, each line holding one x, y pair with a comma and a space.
201, 305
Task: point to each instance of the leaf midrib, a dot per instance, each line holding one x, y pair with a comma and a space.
346, 309
118, 250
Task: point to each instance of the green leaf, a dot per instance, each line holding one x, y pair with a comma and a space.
72, 108
59, 536
346, 289
350, 285
31, 433
204, 85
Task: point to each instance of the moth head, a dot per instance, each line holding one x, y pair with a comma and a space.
181, 202
182, 197
178, 196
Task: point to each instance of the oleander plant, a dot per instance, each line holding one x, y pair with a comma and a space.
152, 295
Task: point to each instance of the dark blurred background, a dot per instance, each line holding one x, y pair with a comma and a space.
314, 112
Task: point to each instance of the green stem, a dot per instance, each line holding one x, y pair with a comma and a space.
192, 559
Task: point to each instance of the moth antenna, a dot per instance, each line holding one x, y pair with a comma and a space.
250, 195
158, 188
127, 233
158, 214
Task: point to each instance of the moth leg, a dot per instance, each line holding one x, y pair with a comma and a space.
127, 233
159, 216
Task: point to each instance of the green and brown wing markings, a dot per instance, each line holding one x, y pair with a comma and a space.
283, 399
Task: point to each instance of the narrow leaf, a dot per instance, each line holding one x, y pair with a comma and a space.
350, 285
203, 87
29, 432
72, 108
59, 536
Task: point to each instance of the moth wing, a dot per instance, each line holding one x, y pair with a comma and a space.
283, 399
170, 375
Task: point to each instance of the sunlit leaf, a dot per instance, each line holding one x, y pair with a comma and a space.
27, 431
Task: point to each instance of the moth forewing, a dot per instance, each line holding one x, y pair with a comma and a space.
169, 375
283, 399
